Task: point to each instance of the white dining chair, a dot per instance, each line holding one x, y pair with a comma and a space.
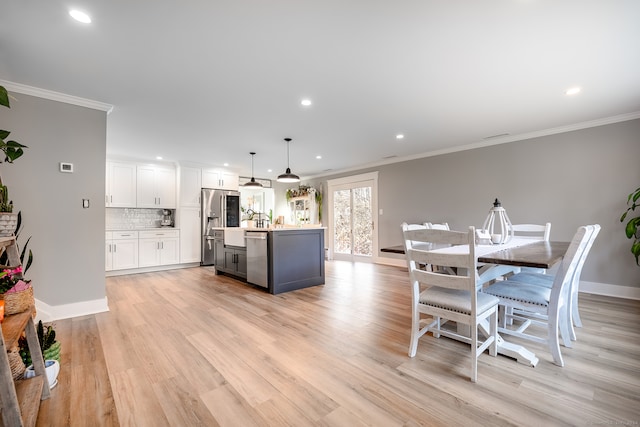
437, 226
534, 231
533, 304
546, 280
445, 296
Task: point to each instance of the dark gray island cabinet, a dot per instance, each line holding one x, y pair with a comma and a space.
296, 258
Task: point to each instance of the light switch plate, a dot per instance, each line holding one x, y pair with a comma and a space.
66, 167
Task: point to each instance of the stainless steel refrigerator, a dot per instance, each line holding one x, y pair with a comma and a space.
220, 208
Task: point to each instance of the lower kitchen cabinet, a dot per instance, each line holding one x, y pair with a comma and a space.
235, 261
158, 248
121, 250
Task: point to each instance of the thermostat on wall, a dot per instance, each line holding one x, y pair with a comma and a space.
66, 167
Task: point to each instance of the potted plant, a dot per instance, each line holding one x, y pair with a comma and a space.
632, 229
12, 150
50, 352
15, 291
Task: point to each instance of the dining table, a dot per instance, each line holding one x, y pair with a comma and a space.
495, 260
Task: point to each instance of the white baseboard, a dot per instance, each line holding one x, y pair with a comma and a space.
150, 269
396, 262
49, 313
594, 288
609, 290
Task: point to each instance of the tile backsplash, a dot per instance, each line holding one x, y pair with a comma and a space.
128, 218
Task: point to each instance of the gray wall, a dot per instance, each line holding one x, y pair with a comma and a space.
569, 179
67, 240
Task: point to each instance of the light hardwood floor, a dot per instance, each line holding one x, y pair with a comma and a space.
187, 348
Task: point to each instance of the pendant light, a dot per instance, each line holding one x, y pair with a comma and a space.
253, 182
288, 176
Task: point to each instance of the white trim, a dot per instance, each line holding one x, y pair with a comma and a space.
606, 289
351, 182
395, 262
49, 313
112, 273
56, 96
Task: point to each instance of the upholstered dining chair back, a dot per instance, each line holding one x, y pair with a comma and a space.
445, 296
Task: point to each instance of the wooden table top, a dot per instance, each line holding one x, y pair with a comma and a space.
539, 254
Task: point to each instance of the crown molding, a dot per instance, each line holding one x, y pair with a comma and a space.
486, 143
56, 96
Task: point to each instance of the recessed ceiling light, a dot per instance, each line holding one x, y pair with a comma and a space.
399, 136
269, 170
318, 157
158, 157
226, 164
573, 91
306, 102
80, 16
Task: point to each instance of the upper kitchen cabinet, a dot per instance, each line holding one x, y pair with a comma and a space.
156, 187
120, 185
218, 178
190, 186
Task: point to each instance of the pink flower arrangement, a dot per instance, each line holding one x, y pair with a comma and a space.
11, 281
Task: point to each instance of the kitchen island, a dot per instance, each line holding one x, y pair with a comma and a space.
294, 257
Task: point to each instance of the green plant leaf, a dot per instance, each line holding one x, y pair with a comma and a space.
632, 227
3, 135
4, 97
624, 215
635, 250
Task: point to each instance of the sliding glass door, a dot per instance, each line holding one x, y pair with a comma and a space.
352, 208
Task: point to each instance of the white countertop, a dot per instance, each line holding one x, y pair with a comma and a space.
140, 228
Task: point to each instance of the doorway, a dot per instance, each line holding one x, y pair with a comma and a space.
353, 203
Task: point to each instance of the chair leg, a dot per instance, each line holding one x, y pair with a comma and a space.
415, 335
553, 340
575, 315
474, 352
565, 327
493, 330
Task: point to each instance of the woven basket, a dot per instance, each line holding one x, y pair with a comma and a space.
8, 223
16, 364
17, 302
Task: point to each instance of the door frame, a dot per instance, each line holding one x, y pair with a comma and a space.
353, 180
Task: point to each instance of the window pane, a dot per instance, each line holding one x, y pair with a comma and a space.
342, 221
362, 222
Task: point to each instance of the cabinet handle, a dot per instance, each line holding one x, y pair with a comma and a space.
159, 201
114, 248
112, 198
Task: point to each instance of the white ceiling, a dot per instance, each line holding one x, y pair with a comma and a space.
210, 81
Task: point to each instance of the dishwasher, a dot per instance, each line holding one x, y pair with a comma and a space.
257, 258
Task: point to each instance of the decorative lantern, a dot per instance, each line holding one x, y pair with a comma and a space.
498, 218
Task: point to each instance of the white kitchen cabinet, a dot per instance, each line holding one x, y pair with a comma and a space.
156, 187
121, 250
159, 247
190, 186
121, 187
219, 178
190, 234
